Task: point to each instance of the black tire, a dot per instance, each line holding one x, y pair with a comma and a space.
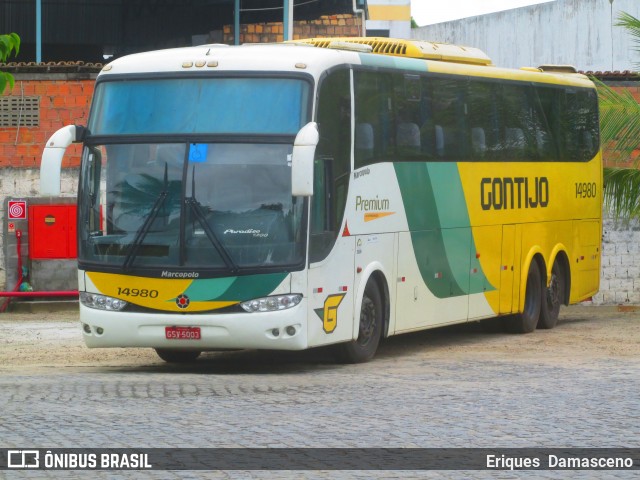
177, 356
364, 347
527, 321
552, 298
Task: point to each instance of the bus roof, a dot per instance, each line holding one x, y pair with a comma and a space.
280, 57
315, 56
407, 48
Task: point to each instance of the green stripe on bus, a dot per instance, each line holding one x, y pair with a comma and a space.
234, 288
438, 220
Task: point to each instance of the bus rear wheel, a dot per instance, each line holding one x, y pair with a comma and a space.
177, 356
527, 321
553, 297
370, 329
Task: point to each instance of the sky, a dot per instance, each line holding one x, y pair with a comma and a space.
427, 12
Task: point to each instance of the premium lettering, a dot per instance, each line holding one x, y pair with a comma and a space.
368, 204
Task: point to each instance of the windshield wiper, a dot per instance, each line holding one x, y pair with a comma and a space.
198, 212
146, 226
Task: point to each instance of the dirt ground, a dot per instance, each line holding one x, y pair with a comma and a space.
54, 339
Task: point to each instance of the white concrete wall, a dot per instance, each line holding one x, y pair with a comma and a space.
620, 276
398, 27
574, 32
25, 183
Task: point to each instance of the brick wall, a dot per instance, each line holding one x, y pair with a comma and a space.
326, 26
63, 101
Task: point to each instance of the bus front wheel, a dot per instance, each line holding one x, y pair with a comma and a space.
370, 329
177, 356
527, 321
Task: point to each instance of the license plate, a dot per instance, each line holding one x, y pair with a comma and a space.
182, 333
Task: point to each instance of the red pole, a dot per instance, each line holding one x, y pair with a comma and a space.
63, 293
17, 287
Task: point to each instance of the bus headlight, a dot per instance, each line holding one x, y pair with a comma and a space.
272, 304
101, 302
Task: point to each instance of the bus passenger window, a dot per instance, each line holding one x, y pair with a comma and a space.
478, 142
374, 106
332, 163
364, 141
450, 113
408, 139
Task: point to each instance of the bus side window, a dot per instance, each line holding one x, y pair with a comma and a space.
579, 131
364, 142
482, 119
332, 163
374, 112
450, 112
543, 105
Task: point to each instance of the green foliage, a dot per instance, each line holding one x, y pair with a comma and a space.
620, 132
619, 119
622, 192
632, 25
8, 44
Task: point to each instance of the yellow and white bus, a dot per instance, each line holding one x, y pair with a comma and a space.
329, 191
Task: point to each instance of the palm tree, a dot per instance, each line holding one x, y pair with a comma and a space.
8, 43
620, 133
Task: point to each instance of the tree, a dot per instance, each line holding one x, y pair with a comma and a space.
620, 133
8, 44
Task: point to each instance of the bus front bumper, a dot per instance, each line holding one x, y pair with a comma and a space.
279, 330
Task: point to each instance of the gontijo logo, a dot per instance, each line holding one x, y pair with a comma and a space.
509, 193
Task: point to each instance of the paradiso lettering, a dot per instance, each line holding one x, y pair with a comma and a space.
504, 193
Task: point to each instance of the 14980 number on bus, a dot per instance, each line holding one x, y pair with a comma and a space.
586, 190
137, 292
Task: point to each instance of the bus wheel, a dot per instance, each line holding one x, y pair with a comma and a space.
177, 356
552, 298
527, 321
364, 347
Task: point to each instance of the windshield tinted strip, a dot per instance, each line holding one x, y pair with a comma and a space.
234, 106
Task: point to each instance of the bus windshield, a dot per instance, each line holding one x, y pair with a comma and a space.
192, 173
221, 206
273, 106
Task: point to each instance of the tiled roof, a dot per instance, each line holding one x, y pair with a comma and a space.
51, 67
614, 75
82, 67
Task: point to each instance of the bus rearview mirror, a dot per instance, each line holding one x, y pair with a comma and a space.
304, 150
52, 157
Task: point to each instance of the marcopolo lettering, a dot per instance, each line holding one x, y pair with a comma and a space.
166, 274
509, 193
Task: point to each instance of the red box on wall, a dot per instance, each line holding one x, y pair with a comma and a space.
52, 232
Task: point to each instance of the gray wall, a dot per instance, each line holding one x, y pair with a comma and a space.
574, 32
22, 184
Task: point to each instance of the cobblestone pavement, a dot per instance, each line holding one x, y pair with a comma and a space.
574, 386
